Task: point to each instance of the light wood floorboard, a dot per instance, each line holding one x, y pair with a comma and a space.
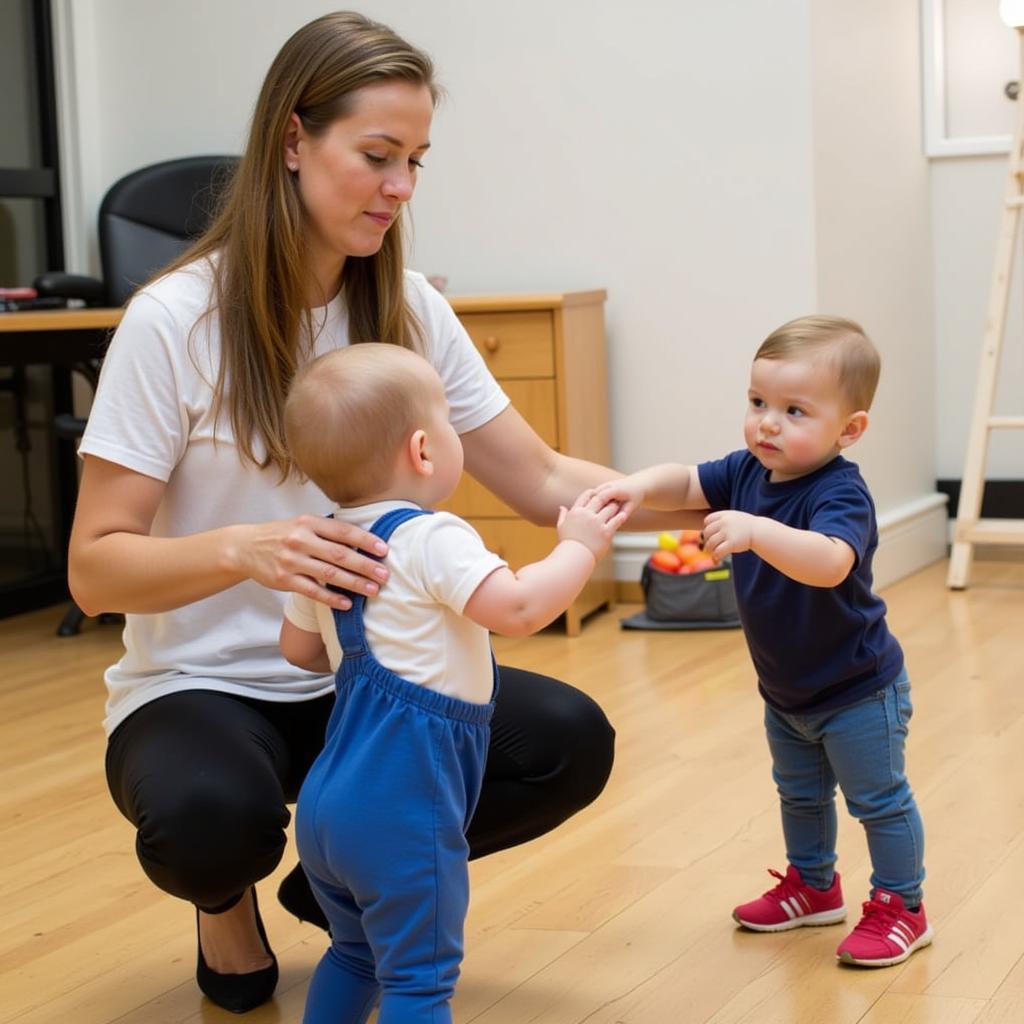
622, 916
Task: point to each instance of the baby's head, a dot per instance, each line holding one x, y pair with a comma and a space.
839, 350
350, 414
811, 386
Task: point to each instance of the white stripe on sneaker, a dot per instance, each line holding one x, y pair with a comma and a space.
895, 936
905, 930
805, 901
790, 912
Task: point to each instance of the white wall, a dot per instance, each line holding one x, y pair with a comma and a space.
873, 243
872, 220
661, 150
979, 55
719, 168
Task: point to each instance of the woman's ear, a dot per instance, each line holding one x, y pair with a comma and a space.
853, 429
419, 456
293, 135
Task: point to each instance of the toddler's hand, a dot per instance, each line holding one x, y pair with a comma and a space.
627, 493
592, 521
728, 533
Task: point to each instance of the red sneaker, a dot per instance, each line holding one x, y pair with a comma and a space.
792, 904
887, 934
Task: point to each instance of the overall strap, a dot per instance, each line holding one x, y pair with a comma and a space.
349, 624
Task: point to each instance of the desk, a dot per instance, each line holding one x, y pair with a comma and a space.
60, 339
548, 351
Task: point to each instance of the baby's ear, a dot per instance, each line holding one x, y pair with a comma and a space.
853, 429
418, 453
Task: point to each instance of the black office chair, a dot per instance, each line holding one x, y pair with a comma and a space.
146, 219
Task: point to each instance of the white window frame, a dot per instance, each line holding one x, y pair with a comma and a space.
933, 68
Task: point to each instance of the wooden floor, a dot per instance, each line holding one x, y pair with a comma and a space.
620, 917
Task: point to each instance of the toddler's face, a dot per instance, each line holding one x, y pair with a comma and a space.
795, 415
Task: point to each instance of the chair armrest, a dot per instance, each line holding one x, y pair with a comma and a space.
57, 284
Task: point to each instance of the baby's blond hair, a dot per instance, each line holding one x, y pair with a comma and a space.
840, 341
349, 411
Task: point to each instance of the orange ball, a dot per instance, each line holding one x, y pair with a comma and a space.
666, 561
690, 553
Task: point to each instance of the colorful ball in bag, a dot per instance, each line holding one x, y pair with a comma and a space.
666, 561
682, 554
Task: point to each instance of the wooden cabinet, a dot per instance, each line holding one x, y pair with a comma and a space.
548, 353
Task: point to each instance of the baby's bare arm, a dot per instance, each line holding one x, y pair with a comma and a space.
304, 649
520, 603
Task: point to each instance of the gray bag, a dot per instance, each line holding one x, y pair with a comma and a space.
700, 600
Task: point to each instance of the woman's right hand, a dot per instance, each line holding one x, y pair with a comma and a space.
307, 553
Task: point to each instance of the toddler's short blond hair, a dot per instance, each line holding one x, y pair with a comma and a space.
349, 411
841, 342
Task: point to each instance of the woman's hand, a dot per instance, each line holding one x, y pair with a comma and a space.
116, 564
307, 553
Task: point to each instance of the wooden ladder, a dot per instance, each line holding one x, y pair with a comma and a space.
970, 528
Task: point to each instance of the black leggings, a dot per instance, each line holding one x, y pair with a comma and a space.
205, 778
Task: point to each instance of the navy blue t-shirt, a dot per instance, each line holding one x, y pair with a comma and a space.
814, 648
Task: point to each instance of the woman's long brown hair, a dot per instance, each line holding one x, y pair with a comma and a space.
256, 240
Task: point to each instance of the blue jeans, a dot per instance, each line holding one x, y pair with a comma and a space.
860, 747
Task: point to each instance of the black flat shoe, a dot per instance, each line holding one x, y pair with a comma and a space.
238, 993
295, 895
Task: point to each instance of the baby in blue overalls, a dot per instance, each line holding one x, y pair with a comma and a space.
382, 815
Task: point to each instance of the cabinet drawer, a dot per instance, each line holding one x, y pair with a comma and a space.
473, 499
535, 401
518, 542
514, 344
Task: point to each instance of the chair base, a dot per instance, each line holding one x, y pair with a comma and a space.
71, 624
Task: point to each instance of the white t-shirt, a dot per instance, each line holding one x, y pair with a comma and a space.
415, 625
153, 414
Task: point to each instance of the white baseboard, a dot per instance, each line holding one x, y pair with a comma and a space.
909, 538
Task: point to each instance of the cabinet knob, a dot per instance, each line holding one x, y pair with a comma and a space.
492, 344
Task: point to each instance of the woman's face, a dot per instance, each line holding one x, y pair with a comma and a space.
354, 178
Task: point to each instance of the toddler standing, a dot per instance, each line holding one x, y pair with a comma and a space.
799, 523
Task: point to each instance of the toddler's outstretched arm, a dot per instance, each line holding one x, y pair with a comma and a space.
669, 487
520, 603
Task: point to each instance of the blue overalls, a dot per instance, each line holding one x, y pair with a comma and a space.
380, 828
